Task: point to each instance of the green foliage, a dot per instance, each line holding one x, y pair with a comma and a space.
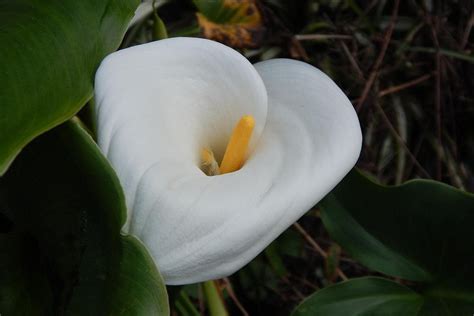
378, 296
363, 296
215, 10
420, 231
159, 28
214, 299
184, 306
140, 288
49, 52
62, 210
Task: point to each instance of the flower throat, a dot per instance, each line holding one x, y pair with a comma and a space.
234, 156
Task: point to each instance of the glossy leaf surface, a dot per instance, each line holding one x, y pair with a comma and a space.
62, 210
49, 52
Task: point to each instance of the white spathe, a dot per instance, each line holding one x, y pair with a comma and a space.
159, 104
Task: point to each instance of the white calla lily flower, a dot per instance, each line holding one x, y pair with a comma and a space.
158, 105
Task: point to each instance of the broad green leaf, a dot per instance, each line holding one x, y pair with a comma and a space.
445, 301
140, 289
62, 247
421, 231
24, 290
377, 296
49, 52
361, 297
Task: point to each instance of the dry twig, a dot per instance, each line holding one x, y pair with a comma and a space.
318, 248
404, 86
319, 37
378, 62
234, 298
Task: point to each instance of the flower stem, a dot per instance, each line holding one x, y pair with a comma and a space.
214, 299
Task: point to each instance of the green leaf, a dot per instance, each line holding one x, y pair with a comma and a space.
215, 11
63, 248
445, 301
275, 260
140, 289
184, 306
49, 55
379, 296
420, 231
363, 296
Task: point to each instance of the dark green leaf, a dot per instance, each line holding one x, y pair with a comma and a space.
215, 11
377, 296
140, 289
49, 52
364, 296
445, 301
275, 260
420, 231
63, 249
184, 306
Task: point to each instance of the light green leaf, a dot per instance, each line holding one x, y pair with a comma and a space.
49, 52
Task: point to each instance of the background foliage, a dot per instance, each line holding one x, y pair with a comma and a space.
48, 60
61, 249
